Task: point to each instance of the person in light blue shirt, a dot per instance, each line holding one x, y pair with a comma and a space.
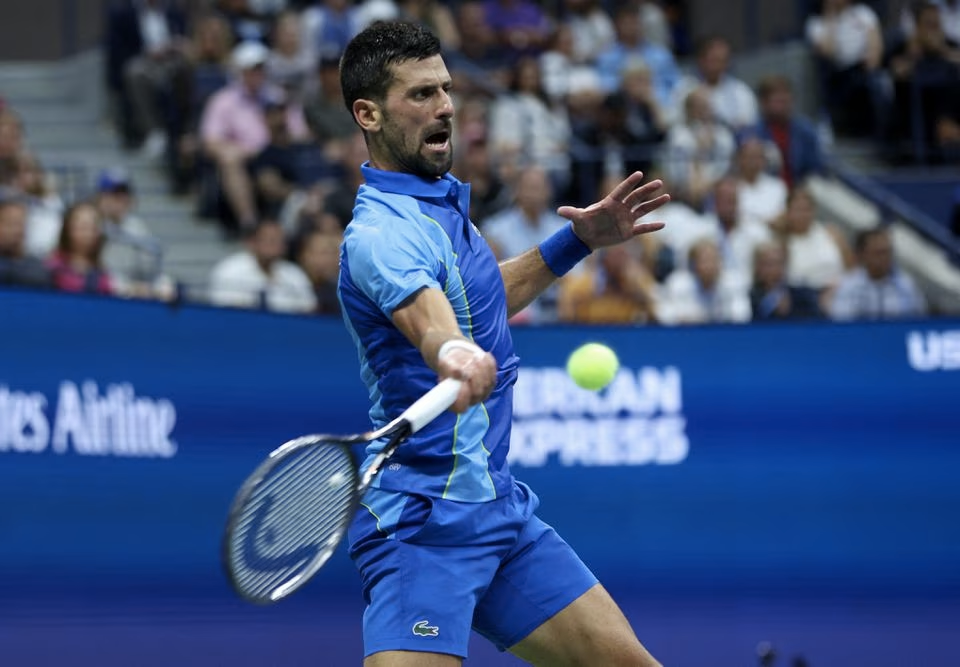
447, 540
631, 46
876, 289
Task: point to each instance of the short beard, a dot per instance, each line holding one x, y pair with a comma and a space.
414, 162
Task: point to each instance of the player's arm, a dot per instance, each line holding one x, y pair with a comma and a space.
610, 221
428, 321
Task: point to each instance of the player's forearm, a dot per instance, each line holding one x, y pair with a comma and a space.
428, 321
529, 274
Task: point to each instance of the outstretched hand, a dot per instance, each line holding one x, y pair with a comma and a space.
613, 219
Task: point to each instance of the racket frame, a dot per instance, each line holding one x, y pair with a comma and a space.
414, 418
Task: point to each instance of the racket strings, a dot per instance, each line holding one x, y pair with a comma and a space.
293, 519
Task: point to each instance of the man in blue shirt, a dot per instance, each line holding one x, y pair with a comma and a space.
447, 539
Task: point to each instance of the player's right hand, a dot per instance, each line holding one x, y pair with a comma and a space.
476, 369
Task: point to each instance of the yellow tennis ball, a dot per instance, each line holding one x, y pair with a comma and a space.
593, 366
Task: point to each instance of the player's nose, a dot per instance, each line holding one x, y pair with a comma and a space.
445, 105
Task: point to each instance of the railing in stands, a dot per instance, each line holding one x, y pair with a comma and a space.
893, 207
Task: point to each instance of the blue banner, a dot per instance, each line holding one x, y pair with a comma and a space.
780, 461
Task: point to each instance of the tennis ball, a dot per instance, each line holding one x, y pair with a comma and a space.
593, 366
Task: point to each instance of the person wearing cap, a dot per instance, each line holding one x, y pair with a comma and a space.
233, 129
131, 254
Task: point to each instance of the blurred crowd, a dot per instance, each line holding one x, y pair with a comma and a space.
239, 102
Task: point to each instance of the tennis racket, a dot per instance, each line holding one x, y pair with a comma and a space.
293, 510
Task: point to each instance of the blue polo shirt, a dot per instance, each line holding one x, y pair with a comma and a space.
407, 234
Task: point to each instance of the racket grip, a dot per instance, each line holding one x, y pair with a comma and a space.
429, 406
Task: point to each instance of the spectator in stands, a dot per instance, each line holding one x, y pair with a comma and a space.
529, 130
847, 42
480, 65
437, 16
522, 226
631, 43
520, 26
736, 238
794, 139
696, 152
590, 27
17, 266
291, 63
566, 79
762, 196
488, 194
274, 170
328, 26
705, 292
733, 102
144, 49
876, 289
771, 296
338, 197
44, 205
949, 18
817, 254
233, 129
635, 120
207, 70
328, 118
656, 23
12, 143
925, 68
528, 221
319, 257
259, 277
132, 256
245, 23
77, 264
614, 287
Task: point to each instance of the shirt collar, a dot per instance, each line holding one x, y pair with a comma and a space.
447, 187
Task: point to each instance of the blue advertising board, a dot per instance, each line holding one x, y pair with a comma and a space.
726, 468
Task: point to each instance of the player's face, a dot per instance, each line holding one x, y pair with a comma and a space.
416, 132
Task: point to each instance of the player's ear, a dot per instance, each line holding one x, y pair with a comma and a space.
368, 115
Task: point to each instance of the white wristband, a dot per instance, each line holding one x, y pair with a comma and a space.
455, 343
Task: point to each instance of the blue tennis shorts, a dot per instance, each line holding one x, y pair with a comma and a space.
432, 569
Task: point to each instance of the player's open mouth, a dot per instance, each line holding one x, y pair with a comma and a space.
438, 141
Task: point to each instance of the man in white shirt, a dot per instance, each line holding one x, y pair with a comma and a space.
259, 277
734, 102
762, 196
706, 293
876, 290
736, 238
846, 37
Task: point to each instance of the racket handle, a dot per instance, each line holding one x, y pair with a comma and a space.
429, 406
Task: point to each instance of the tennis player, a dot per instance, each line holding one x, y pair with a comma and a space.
448, 539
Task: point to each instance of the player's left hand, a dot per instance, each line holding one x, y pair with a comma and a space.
613, 219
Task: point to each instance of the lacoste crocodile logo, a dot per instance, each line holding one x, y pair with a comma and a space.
424, 629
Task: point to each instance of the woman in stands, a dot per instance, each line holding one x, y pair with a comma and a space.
817, 253
76, 263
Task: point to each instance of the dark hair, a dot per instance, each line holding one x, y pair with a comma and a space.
707, 42
64, 243
773, 83
922, 6
864, 237
366, 65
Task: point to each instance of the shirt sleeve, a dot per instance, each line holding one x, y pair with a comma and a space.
213, 124
395, 259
